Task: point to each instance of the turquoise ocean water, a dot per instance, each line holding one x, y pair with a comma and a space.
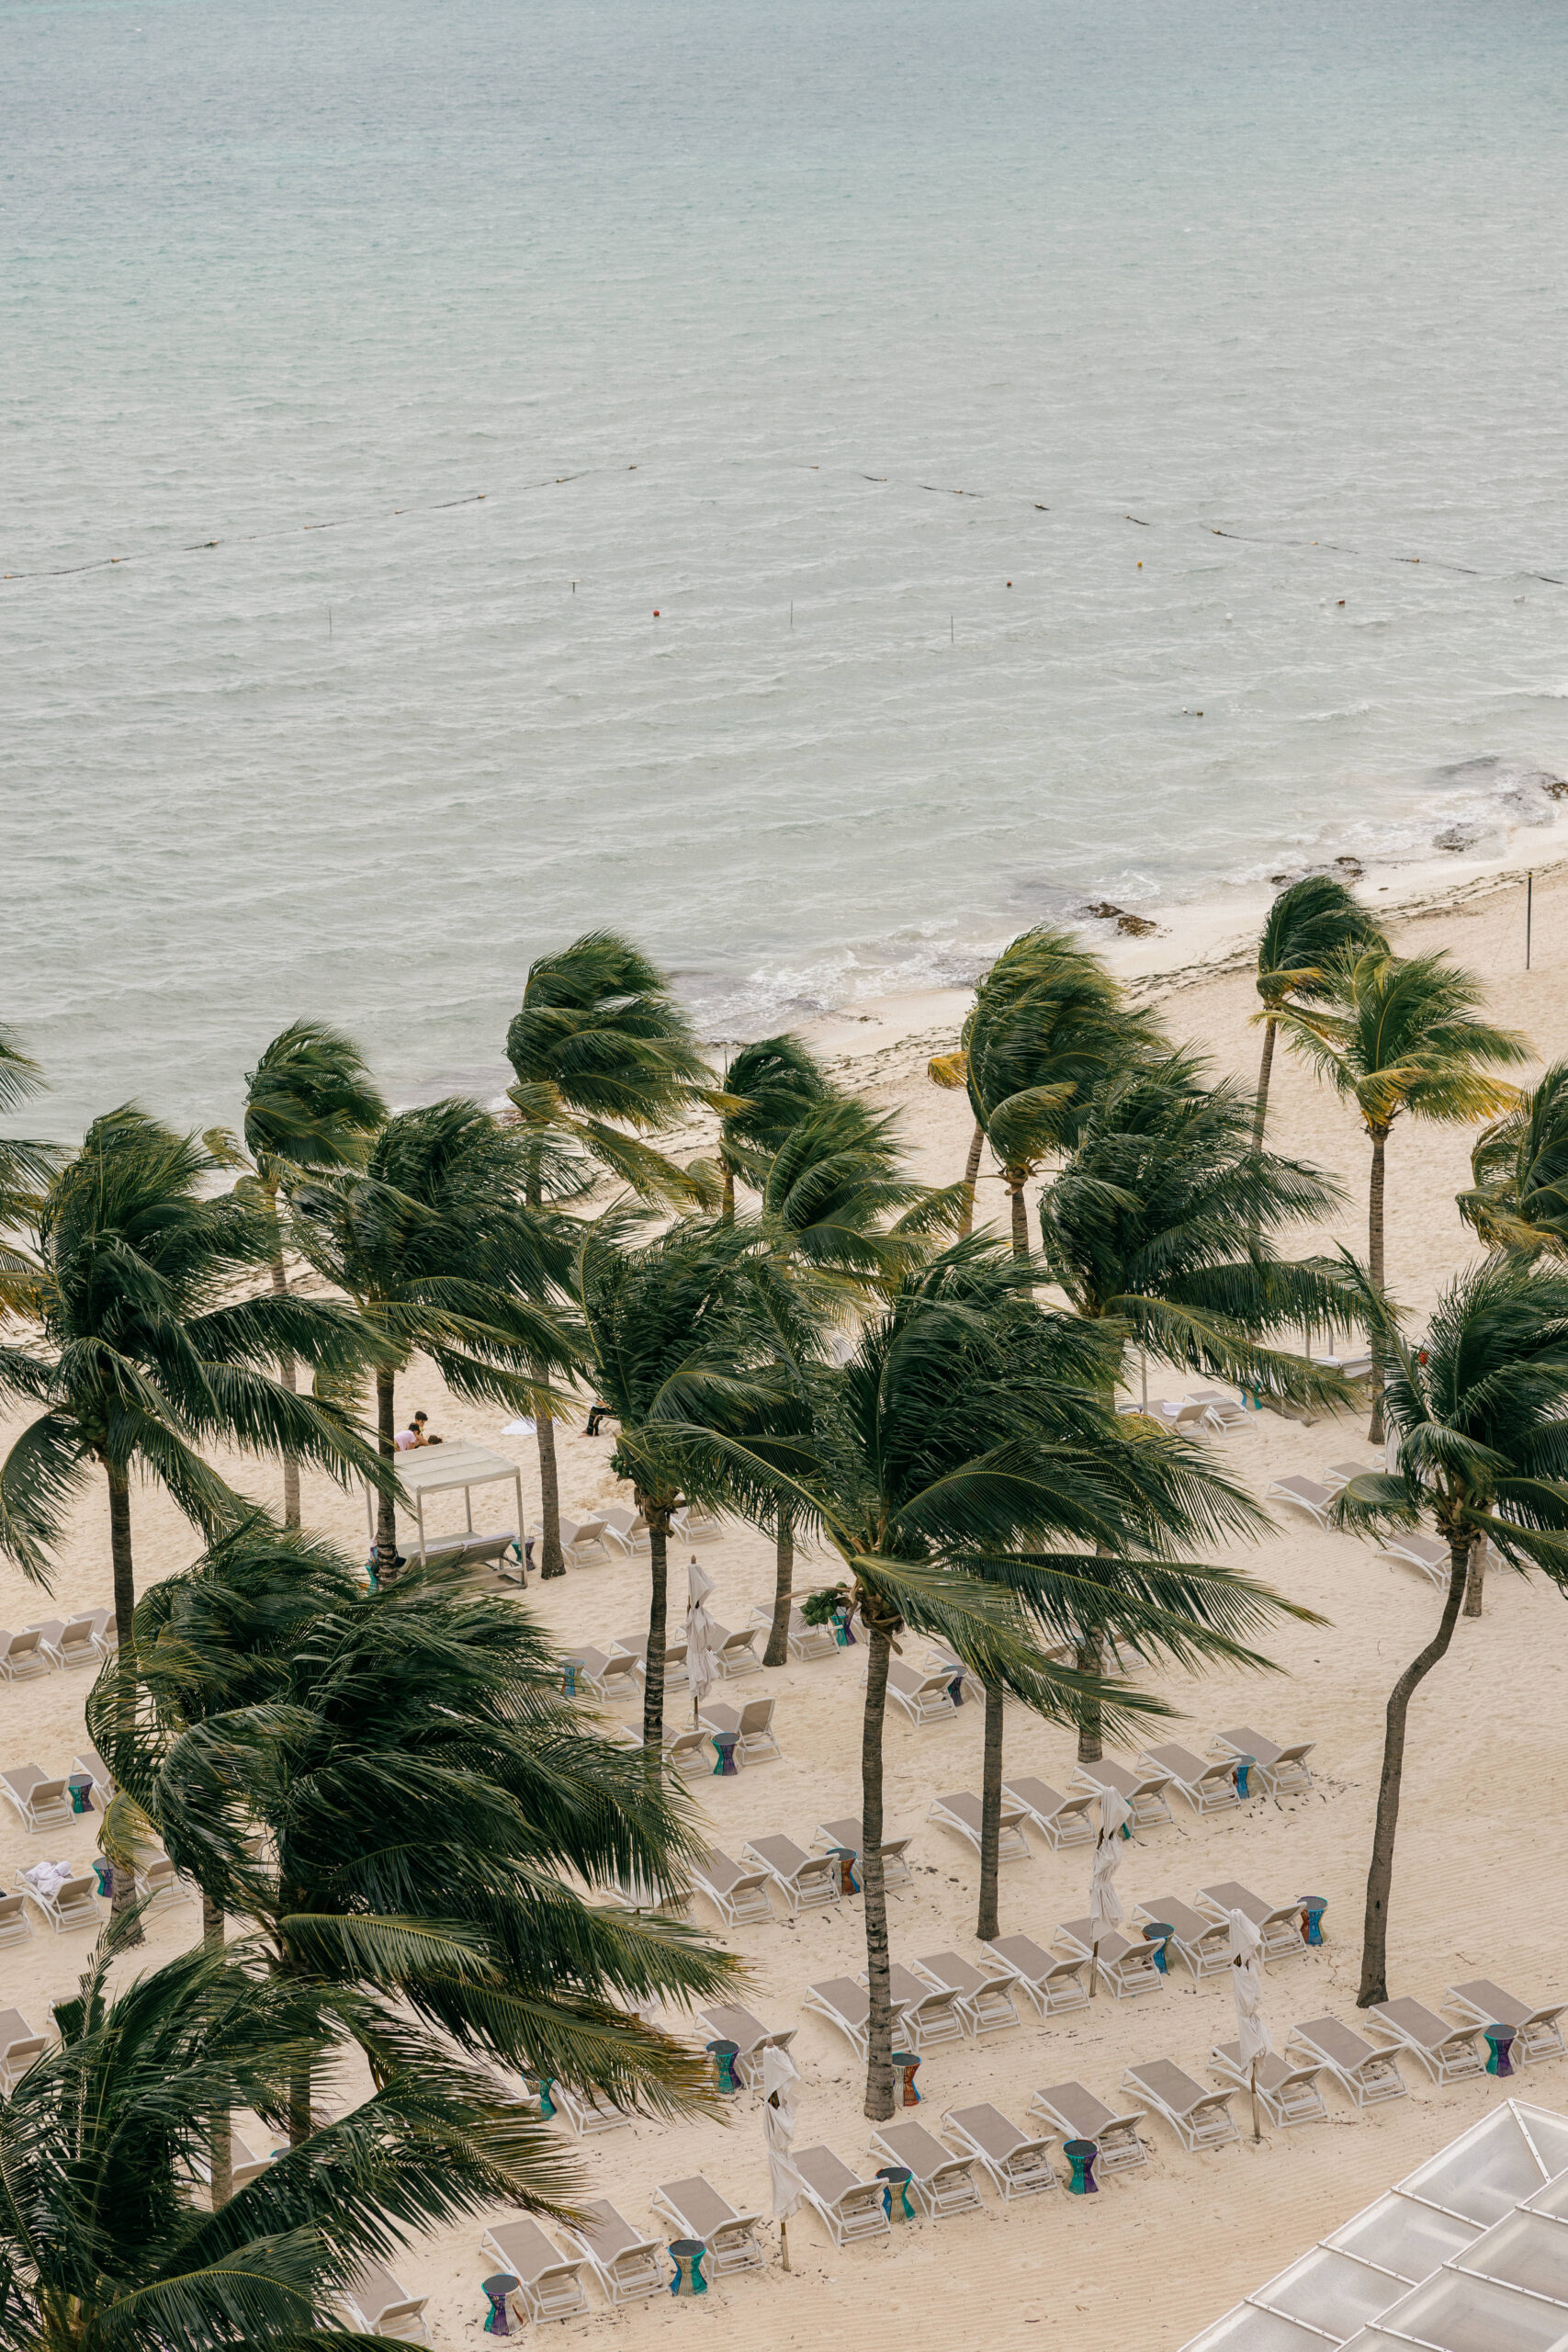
409, 357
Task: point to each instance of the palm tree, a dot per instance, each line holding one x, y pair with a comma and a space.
102, 2241
776, 1081
310, 1105
923, 1454
1399, 1034
1480, 1415
432, 1241
683, 1330
432, 1808
1162, 1225
604, 1057
1519, 1201
1047, 1026
1308, 926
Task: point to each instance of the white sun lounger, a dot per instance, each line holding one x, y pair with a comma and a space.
943, 2182
19, 2046
588, 2112
43, 1803
1077, 2114
984, 2001
925, 1698
109, 1636
847, 2004
1279, 1924
98, 1771
1016, 2166
1200, 2119
628, 2267
73, 1902
377, 2305
1537, 2033
1423, 1552
1127, 1968
244, 2164
1221, 1410
736, 1894
627, 1531
675, 1675
1368, 2076
1204, 1944
807, 1882
16, 1928
1144, 1791
1052, 1984
686, 1752
1450, 2053
1207, 1787
1061, 1820
962, 1812
694, 1523
699, 2212
736, 1653
850, 1832
22, 1655
1189, 1413
78, 1643
548, 2285
850, 2209
157, 1881
924, 2013
750, 2035
1284, 1769
1338, 1475
805, 1641
752, 1726
1287, 2095
1307, 1495
614, 1676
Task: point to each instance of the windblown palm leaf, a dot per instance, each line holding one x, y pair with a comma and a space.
25, 1169
776, 1082
1520, 1200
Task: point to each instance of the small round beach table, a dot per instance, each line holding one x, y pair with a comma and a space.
1312, 1908
906, 2062
687, 2255
81, 1787
845, 1858
725, 1744
897, 2177
1499, 2049
1158, 1933
1080, 2154
496, 2290
724, 2056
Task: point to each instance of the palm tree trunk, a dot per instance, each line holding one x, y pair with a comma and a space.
220, 2147
1019, 1216
299, 2103
777, 1651
988, 1924
972, 1177
1476, 1576
657, 1614
1380, 1877
124, 1568
385, 1513
1374, 1267
286, 1373
727, 1210
1264, 1066
551, 1563
1091, 1659
878, 1968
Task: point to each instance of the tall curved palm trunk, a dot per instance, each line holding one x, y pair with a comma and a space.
1380, 1876
657, 1515
777, 1651
1264, 1066
878, 1965
1375, 1192
123, 1565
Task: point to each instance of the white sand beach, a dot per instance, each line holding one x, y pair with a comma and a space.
1166, 2248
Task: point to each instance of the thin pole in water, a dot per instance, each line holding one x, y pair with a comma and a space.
792, 612
330, 631
574, 587
1529, 910
951, 639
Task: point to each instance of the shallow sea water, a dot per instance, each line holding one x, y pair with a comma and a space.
1088, 380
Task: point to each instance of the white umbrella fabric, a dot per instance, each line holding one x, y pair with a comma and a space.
1105, 1910
779, 2079
700, 1631
1246, 1985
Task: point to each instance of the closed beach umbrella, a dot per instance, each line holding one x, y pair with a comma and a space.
779, 2079
699, 1632
1246, 1985
1104, 1904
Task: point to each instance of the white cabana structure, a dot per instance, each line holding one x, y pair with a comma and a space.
428, 1470
1468, 2254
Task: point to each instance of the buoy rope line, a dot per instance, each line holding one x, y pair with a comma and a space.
554, 482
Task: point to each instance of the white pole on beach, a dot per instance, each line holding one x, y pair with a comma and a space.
1529, 910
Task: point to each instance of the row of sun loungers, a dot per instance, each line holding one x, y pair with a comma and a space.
621, 1534
85, 1639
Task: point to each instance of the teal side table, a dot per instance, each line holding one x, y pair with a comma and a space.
907, 2064
1499, 2046
496, 2289
687, 2255
1081, 2154
897, 2177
